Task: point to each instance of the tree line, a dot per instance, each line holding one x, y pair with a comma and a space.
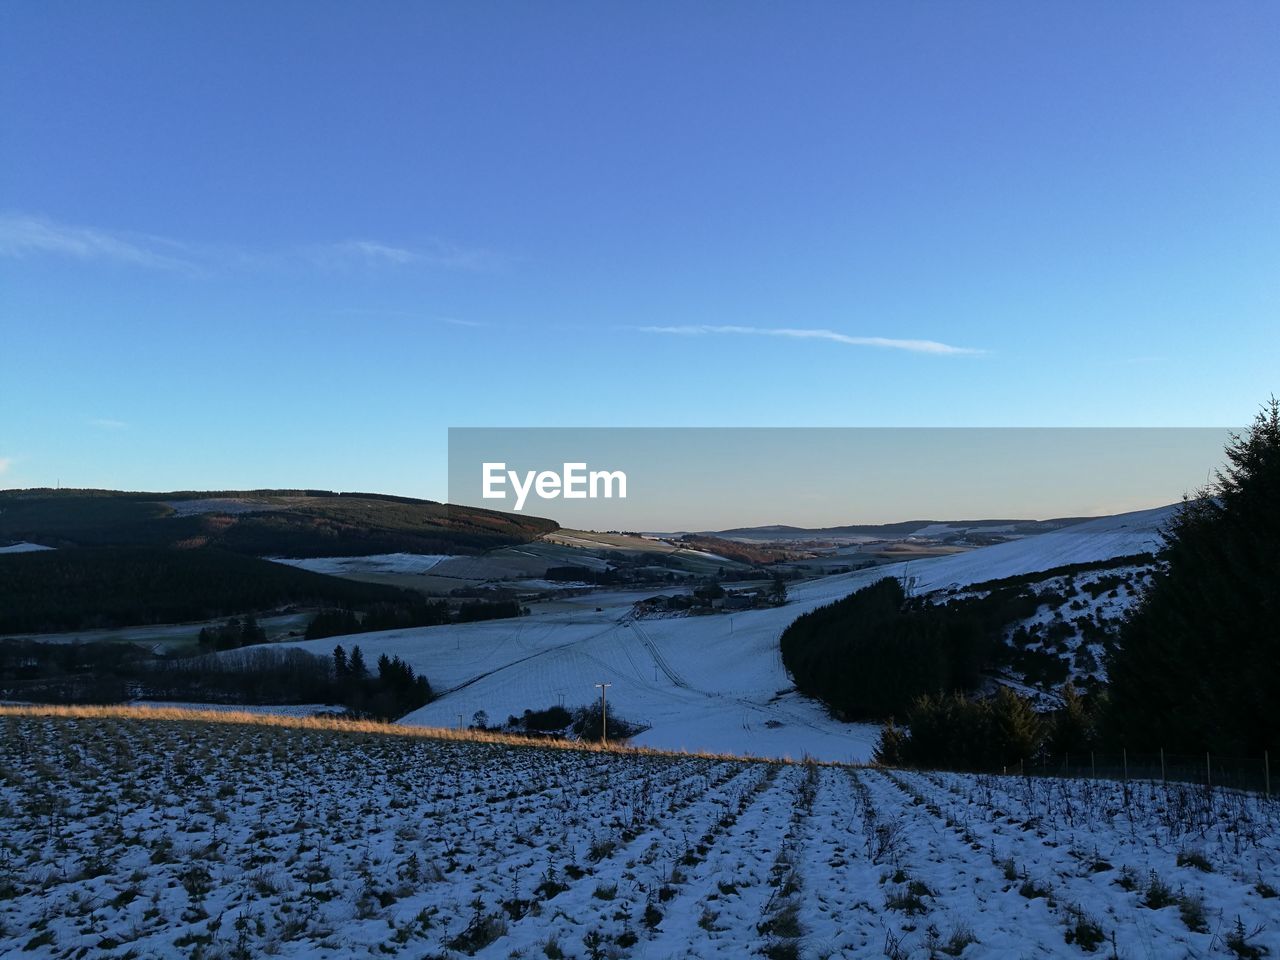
87, 588
871, 654
403, 615
1195, 667
987, 733
113, 672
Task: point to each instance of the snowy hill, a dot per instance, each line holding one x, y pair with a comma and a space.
899, 530
700, 683
1121, 535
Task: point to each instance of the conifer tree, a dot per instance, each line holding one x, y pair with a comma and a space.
1197, 666
889, 750
1071, 729
1015, 727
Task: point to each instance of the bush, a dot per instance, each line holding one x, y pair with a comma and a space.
952, 731
586, 725
548, 720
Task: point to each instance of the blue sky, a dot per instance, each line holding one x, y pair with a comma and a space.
290, 244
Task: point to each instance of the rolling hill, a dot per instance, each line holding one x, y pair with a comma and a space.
289, 523
932, 529
713, 682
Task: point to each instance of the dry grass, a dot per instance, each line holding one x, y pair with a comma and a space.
345, 726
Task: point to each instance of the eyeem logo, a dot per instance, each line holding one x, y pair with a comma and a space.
575, 483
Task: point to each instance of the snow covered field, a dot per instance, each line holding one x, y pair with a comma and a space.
699, 683
375, 563
23, 547
165, 838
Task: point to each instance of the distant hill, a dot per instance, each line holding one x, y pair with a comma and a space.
262, 523
932, 529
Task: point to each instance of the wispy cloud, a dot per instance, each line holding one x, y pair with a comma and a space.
5, 464
372, 253
455, 322
24, 236
107, 423
801, 333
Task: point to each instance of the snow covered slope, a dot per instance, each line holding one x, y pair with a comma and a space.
700, 683
1117, 536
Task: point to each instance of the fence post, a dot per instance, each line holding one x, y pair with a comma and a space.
1124, 752
1093, 765
1162, 776
1266, 771
1208, 771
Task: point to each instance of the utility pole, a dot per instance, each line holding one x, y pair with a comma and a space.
604, 715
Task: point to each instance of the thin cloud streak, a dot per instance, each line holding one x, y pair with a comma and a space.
372, 253
25, 235
801, 333
5, 464
22, 236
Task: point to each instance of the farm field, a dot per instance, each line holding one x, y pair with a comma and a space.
124, 836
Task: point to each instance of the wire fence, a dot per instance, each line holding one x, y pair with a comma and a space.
1254, 774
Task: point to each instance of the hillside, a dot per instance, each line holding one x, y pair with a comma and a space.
288, 523
933, 529
712, 682
211, 835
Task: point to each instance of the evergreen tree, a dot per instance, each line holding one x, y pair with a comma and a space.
1015, 728
889, 750
355, 664
1072, 728
1197, 666
340, 668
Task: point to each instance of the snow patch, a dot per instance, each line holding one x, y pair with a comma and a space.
23, 547
374, 563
